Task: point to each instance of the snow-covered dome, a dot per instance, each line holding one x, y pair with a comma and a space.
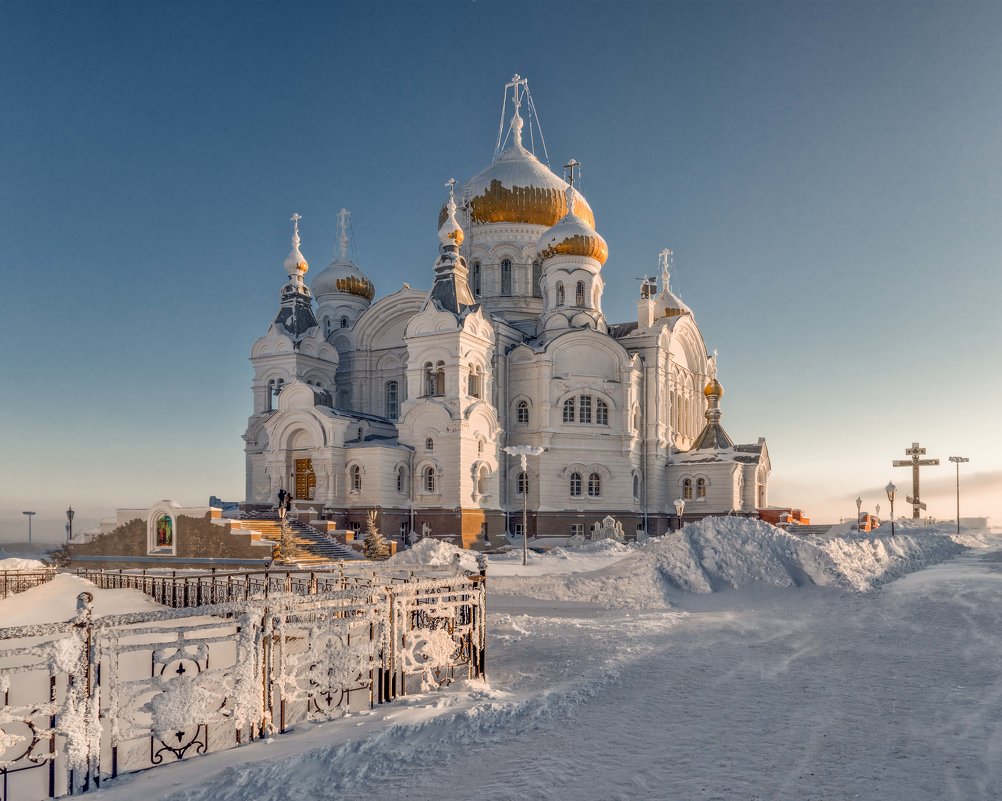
342, 276
573, 235
518, 188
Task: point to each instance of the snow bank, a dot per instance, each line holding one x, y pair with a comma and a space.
733, 552
56, 601
434, 552
14, 563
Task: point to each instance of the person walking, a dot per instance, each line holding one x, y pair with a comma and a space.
282, 495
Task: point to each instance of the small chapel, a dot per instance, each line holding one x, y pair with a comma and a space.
420, 404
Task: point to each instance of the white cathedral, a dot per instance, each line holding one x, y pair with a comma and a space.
406, 404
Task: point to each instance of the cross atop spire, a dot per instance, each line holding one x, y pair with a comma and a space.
518, 87
665, 262
570, 166
342, 233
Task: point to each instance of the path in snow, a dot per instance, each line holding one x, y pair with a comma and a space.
805, 696
779, 694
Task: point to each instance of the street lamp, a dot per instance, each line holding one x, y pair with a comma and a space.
69, 523
859, 508
890, 489
30, 514
958, 460
679, 508
522, 452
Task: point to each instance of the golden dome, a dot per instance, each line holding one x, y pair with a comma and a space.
714, 388
518, 188
572, 235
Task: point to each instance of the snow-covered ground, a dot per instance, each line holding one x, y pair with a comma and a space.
56, 601
743, 669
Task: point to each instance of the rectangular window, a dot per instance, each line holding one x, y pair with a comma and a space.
518, 530
577, 529
392, 400
584, 413
506, 277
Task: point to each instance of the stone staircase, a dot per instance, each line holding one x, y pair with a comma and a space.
315, 547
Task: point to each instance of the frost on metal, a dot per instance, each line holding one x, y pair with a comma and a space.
91, 698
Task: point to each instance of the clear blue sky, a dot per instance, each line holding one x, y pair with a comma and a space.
828, 175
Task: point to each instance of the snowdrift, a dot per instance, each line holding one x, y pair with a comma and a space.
16, 563
433, 552
731, 552
56, 601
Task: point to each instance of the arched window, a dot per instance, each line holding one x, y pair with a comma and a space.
584, 412
429, 444
482, 481
594, 485
361, 433
506, 276
392, 395
327, 325
537, 274
356, 478
429, 479
601, 412
522, 412
579, 294
636, 486
440, 378
575, 485
429, 379
700, 487
687, 489
569, 410
344, 322
401, 478
480, 447
522, 486
475, 381
475, 277
560, 293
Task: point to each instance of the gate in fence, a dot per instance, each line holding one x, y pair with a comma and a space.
89, 699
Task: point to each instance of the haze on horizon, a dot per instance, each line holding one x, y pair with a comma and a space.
827, 174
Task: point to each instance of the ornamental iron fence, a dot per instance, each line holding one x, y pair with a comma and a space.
89, 699
15, 581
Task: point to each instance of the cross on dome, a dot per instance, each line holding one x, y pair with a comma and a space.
342, 228
665, 260
295, 264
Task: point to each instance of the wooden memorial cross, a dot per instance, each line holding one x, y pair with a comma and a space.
915, 463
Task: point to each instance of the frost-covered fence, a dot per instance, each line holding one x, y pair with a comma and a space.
14, 581
196, 588
89, 699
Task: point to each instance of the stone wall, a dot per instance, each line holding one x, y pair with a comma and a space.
198, 540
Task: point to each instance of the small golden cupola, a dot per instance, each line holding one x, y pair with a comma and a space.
342, 276
573, 235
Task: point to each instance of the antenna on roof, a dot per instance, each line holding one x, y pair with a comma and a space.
519, 87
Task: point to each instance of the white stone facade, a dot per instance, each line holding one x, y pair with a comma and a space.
405, 404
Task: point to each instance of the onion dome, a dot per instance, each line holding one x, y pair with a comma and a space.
713, 389
573, 235
295, 263
342, 276
518, 188
449, 232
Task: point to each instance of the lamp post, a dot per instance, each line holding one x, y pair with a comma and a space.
523, 452
958, 460
890, 489
30, 515
679, 509
69, 523
859, 508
